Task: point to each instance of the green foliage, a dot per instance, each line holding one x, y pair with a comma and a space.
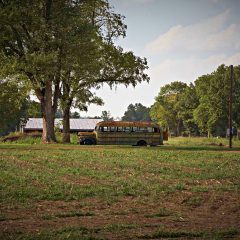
136, 112
34, 110
75, 114
186, 105
166, 109
22, 138
106, 116
13, 104
199, 107
63, 49
213, 91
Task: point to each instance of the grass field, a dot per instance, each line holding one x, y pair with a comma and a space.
186, 189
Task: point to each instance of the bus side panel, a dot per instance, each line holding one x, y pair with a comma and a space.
131, 138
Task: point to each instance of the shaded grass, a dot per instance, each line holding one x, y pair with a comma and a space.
74, 214
84, 233
67, 215
70, 233
220, 234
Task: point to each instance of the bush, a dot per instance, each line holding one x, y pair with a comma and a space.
19, 137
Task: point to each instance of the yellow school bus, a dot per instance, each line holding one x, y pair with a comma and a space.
124, 133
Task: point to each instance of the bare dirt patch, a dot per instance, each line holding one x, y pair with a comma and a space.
128, 217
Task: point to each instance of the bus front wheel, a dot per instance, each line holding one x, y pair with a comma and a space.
87, 142
141, 143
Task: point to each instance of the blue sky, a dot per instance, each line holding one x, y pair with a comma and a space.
181, 39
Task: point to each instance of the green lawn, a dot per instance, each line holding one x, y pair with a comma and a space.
188, 188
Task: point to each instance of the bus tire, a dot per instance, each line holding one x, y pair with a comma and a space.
141, 143
88, 141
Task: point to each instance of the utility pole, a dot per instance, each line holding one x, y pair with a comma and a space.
230, 106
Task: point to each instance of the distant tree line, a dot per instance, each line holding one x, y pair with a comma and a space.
200, 107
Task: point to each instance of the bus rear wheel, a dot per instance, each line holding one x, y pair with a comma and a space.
141, 143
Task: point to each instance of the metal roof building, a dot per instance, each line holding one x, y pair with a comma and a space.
76, 125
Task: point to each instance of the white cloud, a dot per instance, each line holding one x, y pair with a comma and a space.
189, 69
187, 52
183, 53
186, 70
209, 35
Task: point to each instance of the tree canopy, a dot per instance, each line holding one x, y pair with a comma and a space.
201, 107
13, 105
136, 112
166, 109
63, 48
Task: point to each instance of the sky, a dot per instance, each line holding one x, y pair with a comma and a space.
181, 39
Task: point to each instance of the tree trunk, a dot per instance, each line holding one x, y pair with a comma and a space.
48, 114
177, 131
48, 134
66, 125
66, 106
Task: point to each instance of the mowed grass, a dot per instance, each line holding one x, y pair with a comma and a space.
145, 187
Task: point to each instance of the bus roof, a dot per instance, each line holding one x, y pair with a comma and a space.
126, 124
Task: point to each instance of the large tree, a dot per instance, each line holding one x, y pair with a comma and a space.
98, 62
136, 112
13, 105
187, 103
37, 39
166, 109
109, 65
213, 91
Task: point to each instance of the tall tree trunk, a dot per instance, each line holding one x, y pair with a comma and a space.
48, 115
66, 106
66, 124
48, 134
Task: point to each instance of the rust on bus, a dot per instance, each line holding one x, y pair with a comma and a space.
127, 124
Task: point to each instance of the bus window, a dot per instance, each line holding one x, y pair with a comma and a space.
156, 130
134, 129
100, 129
127, 129
142, 129
150, 129
112, 129
120, 129
105, 129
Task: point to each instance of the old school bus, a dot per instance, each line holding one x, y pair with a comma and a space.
124, 133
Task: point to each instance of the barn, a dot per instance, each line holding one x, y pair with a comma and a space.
76, 125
